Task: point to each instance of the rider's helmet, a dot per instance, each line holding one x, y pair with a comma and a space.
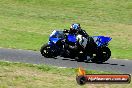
75, 27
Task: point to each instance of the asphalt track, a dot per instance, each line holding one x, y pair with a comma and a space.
34, 57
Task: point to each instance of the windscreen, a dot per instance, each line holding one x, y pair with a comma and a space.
57, 34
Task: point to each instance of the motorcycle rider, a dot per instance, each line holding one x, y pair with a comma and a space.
81, 35
85, 43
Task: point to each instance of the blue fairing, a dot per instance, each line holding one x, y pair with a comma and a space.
54, 40
55, 36
71, 38
101, 40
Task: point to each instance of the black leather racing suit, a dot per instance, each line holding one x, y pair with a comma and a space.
81, 32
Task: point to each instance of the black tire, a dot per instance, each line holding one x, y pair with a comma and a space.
102, 55
46, 51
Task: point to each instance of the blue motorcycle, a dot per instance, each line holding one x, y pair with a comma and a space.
59, 43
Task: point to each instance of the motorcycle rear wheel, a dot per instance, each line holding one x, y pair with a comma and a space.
102, 55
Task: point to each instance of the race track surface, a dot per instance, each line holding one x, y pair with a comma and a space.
34, 57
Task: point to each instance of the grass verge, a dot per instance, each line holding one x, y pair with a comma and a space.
20, 75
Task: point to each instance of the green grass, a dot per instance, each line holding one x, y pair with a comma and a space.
26, 24
20, 75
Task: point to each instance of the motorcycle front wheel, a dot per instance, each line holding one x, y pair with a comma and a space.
47, 51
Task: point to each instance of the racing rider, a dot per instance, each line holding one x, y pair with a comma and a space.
81, 36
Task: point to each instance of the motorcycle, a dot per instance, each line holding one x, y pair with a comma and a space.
59, 42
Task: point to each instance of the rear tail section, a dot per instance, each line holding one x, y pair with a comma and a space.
101, 40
